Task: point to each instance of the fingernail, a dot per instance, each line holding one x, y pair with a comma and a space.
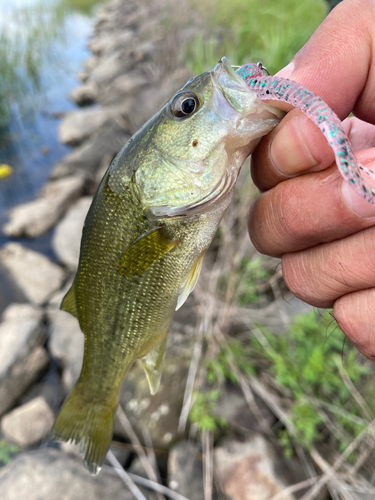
287, 71
355, 202
289, 151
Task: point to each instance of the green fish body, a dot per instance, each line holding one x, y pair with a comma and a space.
150, 223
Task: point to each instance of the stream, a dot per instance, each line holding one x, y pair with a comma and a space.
54, 35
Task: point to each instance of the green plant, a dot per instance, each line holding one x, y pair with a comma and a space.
306, 363
7, 451
202, 412
248, 30
220, 368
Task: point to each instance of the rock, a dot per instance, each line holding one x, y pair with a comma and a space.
79, 125
249, 470
22, 357
28, 424
84, 95
66, 345
67, 236
37, 217
35, 274
107, 69
150, 99
127, 84
48, 387
233, 407
50, 474
159, 413
138, 469
107, 43
87, 158
185, 470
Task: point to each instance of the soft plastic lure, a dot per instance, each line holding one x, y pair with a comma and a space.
282, 89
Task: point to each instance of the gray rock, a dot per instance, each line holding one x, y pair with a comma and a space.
35, 274
159, 413
84, 95
22, 357
67, 236
138, 469
49, 388
106, 69
37, 217
247, 470
49, 474
107, 43
185, 470
28, 424
151, 98
66, 345
79, 125
87, 158
232, 406
56, 298
128, 84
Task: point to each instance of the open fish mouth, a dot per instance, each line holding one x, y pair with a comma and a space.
225, 76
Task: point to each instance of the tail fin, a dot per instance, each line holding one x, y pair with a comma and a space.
88, 424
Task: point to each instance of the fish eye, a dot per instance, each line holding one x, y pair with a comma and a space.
185, 104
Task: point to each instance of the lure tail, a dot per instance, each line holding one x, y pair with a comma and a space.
89, 424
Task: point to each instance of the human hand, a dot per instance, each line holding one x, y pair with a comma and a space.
307, 214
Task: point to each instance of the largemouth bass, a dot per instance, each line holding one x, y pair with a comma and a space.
150, 223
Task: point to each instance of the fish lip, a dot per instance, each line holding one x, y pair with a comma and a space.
224, 66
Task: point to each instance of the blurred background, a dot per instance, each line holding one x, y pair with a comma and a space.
261, 396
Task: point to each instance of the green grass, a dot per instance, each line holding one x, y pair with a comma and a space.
271, 31
7, 451
307, 362
309, 367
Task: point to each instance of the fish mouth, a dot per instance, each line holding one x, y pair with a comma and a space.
232, 97
224, 75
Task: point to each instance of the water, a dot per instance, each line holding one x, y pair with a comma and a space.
28, 141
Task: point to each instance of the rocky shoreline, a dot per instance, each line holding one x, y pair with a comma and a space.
137, 63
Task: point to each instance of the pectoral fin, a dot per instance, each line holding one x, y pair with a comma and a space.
145, 251
190, 282
152, 364
69, 303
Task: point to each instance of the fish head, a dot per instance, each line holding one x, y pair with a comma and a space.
190, 153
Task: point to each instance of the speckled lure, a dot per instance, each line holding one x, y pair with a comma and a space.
282, 89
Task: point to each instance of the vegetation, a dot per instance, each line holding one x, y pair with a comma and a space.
311, 364
271, 31
7, 451
309, 369
26, 34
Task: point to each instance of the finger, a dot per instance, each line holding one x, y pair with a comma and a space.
308, 210
320, 275
297, 146
360, 133
355, 315
337, 64
294, 146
